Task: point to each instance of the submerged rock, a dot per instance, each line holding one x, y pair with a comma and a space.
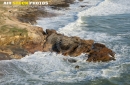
77, 67
72, 60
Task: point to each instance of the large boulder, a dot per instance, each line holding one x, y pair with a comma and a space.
38, 40
100, 53
74, 46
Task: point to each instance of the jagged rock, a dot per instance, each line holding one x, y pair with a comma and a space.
4, 56
72, 46
50, 31
6, 50
32, 47
38, 40
16, 56
19, 39
100, 53
39, 30
12, 52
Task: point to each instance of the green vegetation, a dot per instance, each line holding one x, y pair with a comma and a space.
12, 31
2, 21
1, 2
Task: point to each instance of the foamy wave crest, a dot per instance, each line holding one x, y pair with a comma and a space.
75, 29
51, 67
108, 7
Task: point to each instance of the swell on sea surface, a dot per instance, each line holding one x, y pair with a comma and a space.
104, 8
115, 42
42, 67
108, 7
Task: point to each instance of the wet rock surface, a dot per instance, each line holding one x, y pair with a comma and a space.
74, 46
56, 42
18, 38
100, 53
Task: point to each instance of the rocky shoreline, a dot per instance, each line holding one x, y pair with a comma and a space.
18, 38
54, 42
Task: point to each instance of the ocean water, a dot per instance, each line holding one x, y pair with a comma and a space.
105, 21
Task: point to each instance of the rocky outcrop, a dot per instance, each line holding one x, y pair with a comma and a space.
12, 52
37, 40
100, 52
74, 46
16, 43
31, 14
61, 3
18, 39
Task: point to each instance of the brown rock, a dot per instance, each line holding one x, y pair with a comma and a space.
52, 41
4, 56
72, 46
16, 56
40, 30
32, 47
12, 52
100, 53
47, 47
50, 31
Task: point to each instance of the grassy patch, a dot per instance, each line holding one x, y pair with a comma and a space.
1, 19
1, 2
12, 31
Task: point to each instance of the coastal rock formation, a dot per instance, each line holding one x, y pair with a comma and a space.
18, 38
74, 46
16, 46
100, 53
12, 52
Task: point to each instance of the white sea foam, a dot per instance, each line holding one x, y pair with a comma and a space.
52, 67
74, 29
65, 16
40, 67
108, 7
